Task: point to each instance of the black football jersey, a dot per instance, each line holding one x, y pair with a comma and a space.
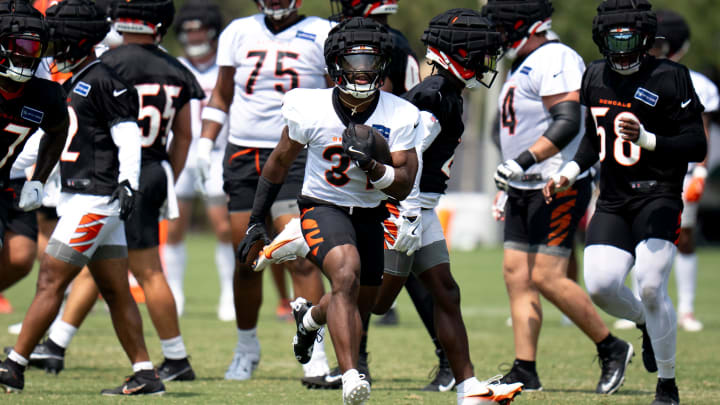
440, 97
98, 99
398, 68
163, 86
40, 104
661, 96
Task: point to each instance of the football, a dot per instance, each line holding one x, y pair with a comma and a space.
381, 151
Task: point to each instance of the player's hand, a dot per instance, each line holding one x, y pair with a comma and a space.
628, 126
31, 195
507, 171
203, 161
359, 150
696, 185
409, 235
556, 184
126, 197
629, 129
498, 207
256, 232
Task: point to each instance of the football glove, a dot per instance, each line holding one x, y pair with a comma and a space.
498, 207
409, 234
126, 198
256, 231
203, 162
507, 171
696, 185
31, 195
359, 150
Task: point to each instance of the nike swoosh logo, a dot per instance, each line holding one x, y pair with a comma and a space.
277, 246
119, 92
557, 74
444, 388
127, 391
331, 379
685, 103
488, 394
352, 149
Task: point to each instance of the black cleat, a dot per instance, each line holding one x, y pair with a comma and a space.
363, 367
48, 356
11, 376
304, 340
389, 319
443, 380
648, 354
144, 382
530, 380
666, 392
333, 379
613, 365
176, 370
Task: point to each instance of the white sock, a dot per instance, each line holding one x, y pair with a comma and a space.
319, 345
142, 365
686, 279
308, 321
175, 260
247, 338
174, 348
225, 262
467, 386
62, 333
14, 356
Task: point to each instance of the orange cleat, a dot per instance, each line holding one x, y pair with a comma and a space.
5, 307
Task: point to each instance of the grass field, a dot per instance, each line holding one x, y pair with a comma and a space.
400, 357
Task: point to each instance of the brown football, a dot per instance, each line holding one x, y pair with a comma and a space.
254, 252
381, 153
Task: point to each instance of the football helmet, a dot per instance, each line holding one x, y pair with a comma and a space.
23, 40
465, 43
357, 54
673, 35
279, 13
343, 9
196, 15
74, 27
517, 20
152, 17
624, 30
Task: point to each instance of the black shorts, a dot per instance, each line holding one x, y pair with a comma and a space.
326, 226
48, 213
241, 171
19, 221
141, 228
533, 226
657, 217
6, 206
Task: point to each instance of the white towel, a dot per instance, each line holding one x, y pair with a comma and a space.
170, 209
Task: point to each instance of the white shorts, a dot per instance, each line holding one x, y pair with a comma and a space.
433, 251
186, 186
81, 237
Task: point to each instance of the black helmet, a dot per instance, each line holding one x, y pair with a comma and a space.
75, 27
198, 15
518, 19
23, 40
624, 30
342, 9
465, 43
280, 13
358, 46
673, 34
142, 16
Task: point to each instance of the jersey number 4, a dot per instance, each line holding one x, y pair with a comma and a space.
508, 111
625, 152
280, 71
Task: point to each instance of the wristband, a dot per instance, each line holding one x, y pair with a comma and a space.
646, 140
570, 171
215, 115
386, 180
526, 159
700, 172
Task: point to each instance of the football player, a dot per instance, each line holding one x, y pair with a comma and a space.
100, 167
343, 189
164, 87
198, 25
539, 129
261, 58
644, 124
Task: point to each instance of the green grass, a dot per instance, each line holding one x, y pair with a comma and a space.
401, 357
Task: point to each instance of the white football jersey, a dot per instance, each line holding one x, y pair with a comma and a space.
551, 69
706, 90
329, 174
207, 79
268, 65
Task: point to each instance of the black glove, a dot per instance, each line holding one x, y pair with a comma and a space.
125, 194
358, 148
256, 231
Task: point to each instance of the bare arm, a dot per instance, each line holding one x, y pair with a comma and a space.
405, 164
51, 146
220, 99
543, 148
278, 164
182, 136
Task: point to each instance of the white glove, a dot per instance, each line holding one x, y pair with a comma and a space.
498, 207
203, 161
409, 235
31, 195
507, 171
570, 171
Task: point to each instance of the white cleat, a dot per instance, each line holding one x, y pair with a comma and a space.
318, 364
288, 245
14, 329
491, 391
624, 324
356, 390
244, 362
226, 309
689, 323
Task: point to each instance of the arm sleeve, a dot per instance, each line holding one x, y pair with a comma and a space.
126, 136
565, 123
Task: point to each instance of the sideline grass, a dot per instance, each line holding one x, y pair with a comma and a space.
400, 358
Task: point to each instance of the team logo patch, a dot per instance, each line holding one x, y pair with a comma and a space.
82, 89
32, 115
385, 131
306, 35
526, 70
647, 96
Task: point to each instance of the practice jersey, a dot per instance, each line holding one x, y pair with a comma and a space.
330, 175
97, 100
268, 65
524, 118
40, 104
708, 95
661, 97
163, 85
404, 71
207, 79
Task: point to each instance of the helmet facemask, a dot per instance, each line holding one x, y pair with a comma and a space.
20, 56
484, 75
196, 38
624, 49
279, 13
360, 71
